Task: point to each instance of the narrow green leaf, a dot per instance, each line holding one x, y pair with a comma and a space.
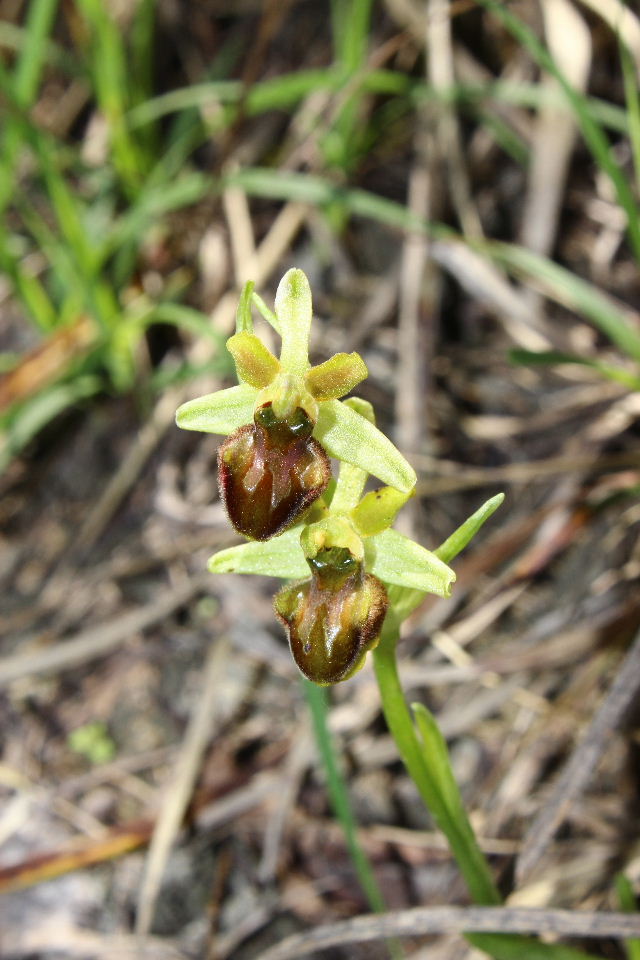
40, 18
294, 313
632, 98
317, 700
436, 751
347, 435
510, 946
397, 559
628, 903
459, 539
279, 557
593, 134
571, 291
553, 357
220, 412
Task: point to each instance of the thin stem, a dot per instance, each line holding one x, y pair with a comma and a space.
336, 786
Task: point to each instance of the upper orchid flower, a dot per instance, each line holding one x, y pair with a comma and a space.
285, 417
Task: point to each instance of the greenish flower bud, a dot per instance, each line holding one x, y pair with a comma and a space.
270, 472
333, 619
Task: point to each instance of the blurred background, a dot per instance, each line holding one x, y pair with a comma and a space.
460, 181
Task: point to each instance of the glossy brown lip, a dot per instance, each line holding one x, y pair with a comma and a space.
269, 474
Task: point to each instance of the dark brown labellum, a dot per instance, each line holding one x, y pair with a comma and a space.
335, 618
270, 472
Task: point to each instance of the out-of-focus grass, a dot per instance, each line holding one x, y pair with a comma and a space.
71, 233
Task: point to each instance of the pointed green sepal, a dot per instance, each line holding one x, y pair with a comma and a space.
244, 320
347, 435
279, 557
294, 313
337, 376
255, 364
396, 559
220, 412
467, 531
377, 510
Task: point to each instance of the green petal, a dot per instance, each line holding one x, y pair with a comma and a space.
467, 531
377, 510
279, 557
255, 364
348, 436
396, 559
337, 376
220, 412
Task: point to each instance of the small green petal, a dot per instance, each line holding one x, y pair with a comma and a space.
348, 436
377, 510
395, 559
220, 412
255, 364
337, 376
467, 531
279, 557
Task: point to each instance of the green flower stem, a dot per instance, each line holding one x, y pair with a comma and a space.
317, 702
455, 826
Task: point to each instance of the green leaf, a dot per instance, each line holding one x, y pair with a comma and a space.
458, 540
613, 320
510, 946
553, 357
435, 749
279, 557
220, 412
395, 559
348, 436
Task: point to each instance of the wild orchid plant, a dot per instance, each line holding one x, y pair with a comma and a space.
353, 579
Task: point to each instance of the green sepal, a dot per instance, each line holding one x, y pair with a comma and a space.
348, 436
244, 320
279, 557
220, 412
337, 376
459, 539
395, 559
377, 510
294, 313
255, 364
